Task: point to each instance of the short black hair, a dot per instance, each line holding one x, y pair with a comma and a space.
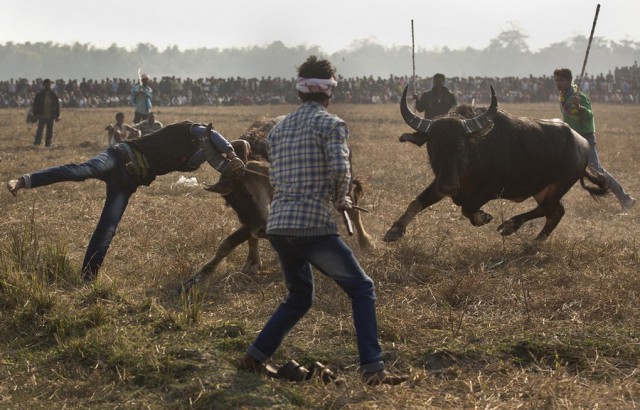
119, 114
315, 67
438, 75
563, 73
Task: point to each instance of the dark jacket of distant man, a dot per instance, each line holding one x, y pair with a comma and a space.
437, 101
39, 109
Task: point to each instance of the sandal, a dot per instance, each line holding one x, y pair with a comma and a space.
249, 364
294, 372
382, 377
322, 372
291, 371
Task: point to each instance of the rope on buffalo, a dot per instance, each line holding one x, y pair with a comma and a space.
250, 171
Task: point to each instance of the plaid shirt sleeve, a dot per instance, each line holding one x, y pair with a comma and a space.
338, 160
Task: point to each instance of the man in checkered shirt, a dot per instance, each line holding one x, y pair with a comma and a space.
310, 172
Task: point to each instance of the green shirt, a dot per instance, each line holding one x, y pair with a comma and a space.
579, 118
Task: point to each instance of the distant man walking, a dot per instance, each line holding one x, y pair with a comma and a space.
46, 109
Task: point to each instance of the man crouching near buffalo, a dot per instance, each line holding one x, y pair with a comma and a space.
129, 164
310, 174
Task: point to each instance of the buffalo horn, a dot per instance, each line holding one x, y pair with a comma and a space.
415, 122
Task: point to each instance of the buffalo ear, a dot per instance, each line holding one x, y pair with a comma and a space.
417, 138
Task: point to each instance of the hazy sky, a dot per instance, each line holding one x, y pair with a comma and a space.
331, 24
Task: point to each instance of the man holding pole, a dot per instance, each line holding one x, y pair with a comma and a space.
576, 111
141, 95
438, 100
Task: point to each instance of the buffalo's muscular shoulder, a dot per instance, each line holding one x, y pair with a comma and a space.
522, 156
480, 154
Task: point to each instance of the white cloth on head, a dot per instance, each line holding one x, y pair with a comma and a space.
316, 85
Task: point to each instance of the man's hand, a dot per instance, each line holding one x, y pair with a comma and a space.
235, 164
15, 185
343, 204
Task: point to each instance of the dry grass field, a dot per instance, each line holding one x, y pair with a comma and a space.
478, 320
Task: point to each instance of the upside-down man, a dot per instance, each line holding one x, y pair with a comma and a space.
127, 165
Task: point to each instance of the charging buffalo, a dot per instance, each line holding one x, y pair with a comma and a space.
479, 154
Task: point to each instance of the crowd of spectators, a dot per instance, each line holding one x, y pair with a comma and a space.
620, 86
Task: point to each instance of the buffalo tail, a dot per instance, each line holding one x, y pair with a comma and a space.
597, 178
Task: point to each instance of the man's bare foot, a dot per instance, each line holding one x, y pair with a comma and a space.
15, 185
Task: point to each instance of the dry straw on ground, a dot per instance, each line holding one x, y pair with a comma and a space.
479, 321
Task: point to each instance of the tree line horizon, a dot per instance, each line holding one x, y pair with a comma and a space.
507, 55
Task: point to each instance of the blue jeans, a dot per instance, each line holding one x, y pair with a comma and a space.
108, 167
594, 163
331, 256
42, 122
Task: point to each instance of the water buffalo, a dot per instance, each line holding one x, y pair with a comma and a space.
479, 154
249, 195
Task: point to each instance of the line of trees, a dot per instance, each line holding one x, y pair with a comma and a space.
506, 55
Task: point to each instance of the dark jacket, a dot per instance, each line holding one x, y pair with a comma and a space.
434, 104
38, 104
167, 150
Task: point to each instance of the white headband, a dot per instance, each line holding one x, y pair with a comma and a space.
316, 85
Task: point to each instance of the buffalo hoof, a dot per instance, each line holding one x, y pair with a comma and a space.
542, 236
186, 287
251, 268
393, 234
480, 218
508, 227
367, 244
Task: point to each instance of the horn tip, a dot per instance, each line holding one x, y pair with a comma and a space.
494, 99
